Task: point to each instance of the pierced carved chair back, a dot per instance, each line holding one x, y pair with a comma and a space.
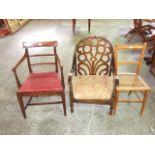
93, 56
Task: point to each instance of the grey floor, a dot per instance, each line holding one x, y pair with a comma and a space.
87, 119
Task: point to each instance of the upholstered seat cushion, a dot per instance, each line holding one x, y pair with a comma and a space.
42, 82
92, 87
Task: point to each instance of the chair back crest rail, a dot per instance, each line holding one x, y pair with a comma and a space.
91, 54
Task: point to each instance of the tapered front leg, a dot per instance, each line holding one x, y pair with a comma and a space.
21, 104
64, 104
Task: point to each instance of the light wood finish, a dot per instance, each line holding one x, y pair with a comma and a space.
14, 25
144, 102
128, 82
127, 62
131, 82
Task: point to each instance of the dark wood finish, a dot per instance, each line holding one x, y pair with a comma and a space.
89, 25
93, 60
90, 63
152, 68
74, 25
140, 29
57, 64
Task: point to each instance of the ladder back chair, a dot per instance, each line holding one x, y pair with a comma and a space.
131, 81
91, 78
40, 83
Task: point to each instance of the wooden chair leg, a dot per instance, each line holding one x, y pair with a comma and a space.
73, 25
71, 101
89, 25
21, 104
115, 103
111, 109
129, 93
144, 102
64, 104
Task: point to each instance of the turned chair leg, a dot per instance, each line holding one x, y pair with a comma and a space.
73, 25
111, 109
144, 103
64, 104
89, 25
115, 103
71, 105
21, 104
71, 102
129, 93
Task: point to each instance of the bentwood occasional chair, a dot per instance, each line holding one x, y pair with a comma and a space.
130, 82
41, 83
91, 78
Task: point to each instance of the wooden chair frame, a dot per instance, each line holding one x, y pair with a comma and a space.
140, 29
58, 69
74, 25
145, 89
74, 72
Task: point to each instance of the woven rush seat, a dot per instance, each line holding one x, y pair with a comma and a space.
92, 87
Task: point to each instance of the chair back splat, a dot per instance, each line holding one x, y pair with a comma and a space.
94, 56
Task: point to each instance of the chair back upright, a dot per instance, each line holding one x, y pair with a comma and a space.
34, 45
132, 48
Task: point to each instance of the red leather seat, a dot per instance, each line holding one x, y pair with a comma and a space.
37, 82
42, 83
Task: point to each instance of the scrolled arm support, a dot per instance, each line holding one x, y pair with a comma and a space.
14, 70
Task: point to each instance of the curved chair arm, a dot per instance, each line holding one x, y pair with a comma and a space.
15, 67
72, 71
70, 75
61, 70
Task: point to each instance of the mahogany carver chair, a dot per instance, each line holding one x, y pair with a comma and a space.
130, 82
40, 83
91, 79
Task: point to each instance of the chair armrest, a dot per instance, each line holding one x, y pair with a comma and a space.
116, 81
70, 75
19, 62
72, 71
61, 70
14, 70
